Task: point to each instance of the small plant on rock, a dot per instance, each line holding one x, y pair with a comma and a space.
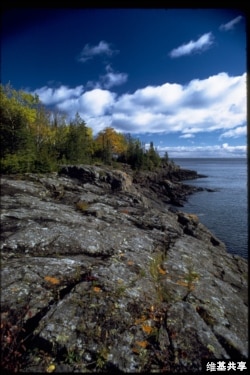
191, 278
82, 206
102, 357
72, 356
155, 267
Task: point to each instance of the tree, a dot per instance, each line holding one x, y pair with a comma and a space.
165, 157
17, 115
109, 144
79, 141
134, 154
34, 139
153, 159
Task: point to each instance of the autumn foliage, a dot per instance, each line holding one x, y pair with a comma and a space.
35, 139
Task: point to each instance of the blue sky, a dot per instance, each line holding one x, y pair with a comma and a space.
176, 77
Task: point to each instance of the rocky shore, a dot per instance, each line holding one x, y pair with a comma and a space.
101, 273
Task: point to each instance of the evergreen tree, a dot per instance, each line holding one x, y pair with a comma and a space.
153, 159
79, 142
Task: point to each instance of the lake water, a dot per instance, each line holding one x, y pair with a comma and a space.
225, 211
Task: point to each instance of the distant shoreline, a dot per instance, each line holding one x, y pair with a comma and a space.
208, 157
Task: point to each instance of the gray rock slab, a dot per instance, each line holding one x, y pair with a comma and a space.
100, 275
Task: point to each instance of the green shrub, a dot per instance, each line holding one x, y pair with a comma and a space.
17, 163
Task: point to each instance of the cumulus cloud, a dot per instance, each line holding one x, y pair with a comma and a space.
217, 103
203, 43
231, 24
94, 103
50, 96
89, 52
235, 133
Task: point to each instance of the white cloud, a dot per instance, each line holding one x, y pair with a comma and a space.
88, 52
205, 41
111, 78
94, 103
230, 25
108, 80
215, 103
235, 133
50, 96
219, 151
97, 101
188, 135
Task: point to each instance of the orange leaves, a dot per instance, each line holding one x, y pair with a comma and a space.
52, 280
182, 283
190, 279
97, 289
186, 284
156, 267
161, 270
149, 323
140, 320
147, 328
142, 344
139, 346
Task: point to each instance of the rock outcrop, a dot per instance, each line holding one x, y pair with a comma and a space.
100, 273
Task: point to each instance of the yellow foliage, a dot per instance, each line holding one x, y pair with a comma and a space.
110, 138
51, 368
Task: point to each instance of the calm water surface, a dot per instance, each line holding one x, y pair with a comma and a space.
225, 211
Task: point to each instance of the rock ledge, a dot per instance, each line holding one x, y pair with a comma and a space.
99, 275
